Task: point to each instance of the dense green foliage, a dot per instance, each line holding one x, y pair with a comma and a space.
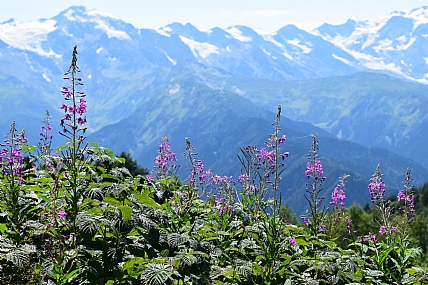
80, 216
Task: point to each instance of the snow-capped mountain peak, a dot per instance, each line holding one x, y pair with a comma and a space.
84, 14
393, 43
236, 33
103, 21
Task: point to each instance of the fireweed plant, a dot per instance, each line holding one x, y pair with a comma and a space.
166, 168
260, 174
204, 183
12, 173
45, 141
77, 217
58, 263
337, 208
261, 170
73, 129
314, 218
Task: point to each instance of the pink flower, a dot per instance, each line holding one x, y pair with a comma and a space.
62, 214
149, 178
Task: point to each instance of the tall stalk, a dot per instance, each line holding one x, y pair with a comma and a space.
73, 129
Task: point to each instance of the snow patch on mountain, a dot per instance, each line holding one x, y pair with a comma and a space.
28, 36
365, 33
419, 16
287, 55
344, 60
92, 12
387, 44
29, 63
237, 34
164, 31
269, 37
111, 31
304, 47
174, 89
170, 59
69, 16
65, 32
238, 91
265, 51
45, 76
199, 49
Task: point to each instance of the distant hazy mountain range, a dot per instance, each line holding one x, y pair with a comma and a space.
360, 86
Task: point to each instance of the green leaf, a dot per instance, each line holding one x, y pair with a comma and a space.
46, 199
134, 267
126, 212
70, 274
385, 254
110, 178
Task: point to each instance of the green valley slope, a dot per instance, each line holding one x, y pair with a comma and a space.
219, 122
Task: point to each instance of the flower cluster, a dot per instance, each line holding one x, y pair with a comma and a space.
46, 135
73, 113
165, 161
408, 197
57, 221
376, 187
224, 205
11, 160
338, 195
368, 238
56, 229
265, 158
315, 170
348, 226
383, 230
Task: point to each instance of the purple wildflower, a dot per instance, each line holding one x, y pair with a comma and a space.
10, 156
348, 226
165, 161
408, 197
149, 178
369, 238
292, 241
376, 186
336, 196
62, 214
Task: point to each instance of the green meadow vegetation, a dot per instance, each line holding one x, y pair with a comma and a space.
81, 215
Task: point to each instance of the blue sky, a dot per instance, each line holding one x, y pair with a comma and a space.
269, 15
